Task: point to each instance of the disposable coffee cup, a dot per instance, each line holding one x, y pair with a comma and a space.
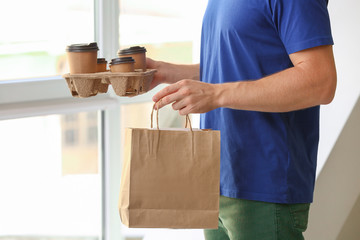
101, 65
122, 64
139, 55
82, 58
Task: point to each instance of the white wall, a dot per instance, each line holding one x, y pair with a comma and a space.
338, 187
345, 18
338, 183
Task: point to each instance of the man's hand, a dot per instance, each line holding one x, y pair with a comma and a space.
189, 96
160, 75
171, 73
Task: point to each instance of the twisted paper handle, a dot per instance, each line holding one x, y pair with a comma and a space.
188, 121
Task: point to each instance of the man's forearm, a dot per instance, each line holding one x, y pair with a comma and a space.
311, 82
289, 90
176, 72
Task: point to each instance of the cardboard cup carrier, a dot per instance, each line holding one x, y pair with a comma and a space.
87, 77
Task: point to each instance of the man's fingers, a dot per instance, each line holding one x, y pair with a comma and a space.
174, 97
165, 91
185, 111
179, 104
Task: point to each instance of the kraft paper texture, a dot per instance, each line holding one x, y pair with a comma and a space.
170, 179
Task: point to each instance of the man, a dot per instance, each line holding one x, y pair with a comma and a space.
265, 68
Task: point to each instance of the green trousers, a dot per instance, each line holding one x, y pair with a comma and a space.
253, 220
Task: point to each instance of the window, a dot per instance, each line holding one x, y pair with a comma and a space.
47, 190
169, 30
80, 143
92, 135
70, 118
91, 116
50, 176
34, 35
71, 137
92, 130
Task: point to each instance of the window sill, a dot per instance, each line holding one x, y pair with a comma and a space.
43, 96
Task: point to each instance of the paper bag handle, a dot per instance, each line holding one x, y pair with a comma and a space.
157, 117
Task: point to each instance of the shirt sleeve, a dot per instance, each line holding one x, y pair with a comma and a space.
302, 24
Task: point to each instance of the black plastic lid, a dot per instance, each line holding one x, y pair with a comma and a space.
115, 61
131, 50
82, 47
101, 60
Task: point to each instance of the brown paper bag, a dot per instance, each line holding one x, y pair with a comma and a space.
170, 178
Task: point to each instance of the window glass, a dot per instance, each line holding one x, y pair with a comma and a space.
49, 179
34, 35
169, 30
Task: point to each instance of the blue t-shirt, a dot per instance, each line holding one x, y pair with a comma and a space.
267, 157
